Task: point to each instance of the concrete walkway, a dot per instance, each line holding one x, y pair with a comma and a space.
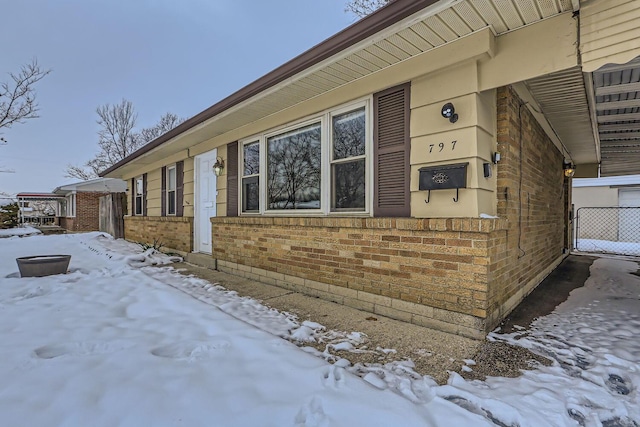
434, 352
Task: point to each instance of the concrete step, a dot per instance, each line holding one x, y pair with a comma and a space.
201, 260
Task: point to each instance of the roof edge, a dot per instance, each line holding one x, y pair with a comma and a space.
395, 11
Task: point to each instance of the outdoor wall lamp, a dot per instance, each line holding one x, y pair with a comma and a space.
569, 169
218, 166
449, 112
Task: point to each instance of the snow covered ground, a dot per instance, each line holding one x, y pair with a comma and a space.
607, 246
20, 231
117, 342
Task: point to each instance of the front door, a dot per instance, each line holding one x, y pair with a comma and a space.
206, 192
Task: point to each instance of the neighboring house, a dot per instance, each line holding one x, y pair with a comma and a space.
39, 209
412, 164
81, 208
607, 211
74, 207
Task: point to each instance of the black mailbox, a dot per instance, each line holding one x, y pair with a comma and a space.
443, 177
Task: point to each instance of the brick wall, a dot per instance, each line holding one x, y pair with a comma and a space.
431, 272
532, 196
67, 223
87, 211
175, 233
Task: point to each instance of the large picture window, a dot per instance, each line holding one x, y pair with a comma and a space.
139, 196
293, 175
171, 190
320, 166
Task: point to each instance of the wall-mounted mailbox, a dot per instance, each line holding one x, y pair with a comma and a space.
443, 177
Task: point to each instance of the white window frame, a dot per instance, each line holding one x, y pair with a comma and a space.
175, 190
257, 176
71, 205
326, 144
368, 144
136, 195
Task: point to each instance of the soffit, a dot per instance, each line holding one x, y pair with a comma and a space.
562, 97
617, 103
435, 26
402, 43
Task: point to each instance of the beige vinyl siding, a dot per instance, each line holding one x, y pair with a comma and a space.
609, 33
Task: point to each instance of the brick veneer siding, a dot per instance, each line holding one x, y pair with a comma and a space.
175, 233
67, 223
432, 272
534, 203
87, 213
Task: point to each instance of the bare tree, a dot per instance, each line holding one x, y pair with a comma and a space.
117, 138
362, 8
167, 122
18, 97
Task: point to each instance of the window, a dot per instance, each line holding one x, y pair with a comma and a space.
348, 161
171, 190
321, 166
293, 175
71, 205
138, 196
251, 177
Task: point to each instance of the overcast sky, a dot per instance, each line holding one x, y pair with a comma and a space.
178, 56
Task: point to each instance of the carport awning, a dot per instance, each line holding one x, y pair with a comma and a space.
617, 102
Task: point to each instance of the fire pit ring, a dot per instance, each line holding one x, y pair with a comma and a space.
43, 265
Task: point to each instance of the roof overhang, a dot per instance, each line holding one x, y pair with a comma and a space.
575, 105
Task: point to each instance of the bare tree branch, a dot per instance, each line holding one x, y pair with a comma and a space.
167, 122
362, 8
18, 97
118, 139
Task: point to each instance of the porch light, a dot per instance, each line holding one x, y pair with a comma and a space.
449, 112
218, 166
569, 169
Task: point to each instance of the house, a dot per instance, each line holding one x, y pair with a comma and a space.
39, 209
607, 212
416, 164
80, 210
73, 207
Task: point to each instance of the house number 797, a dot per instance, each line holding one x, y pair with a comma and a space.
441, 146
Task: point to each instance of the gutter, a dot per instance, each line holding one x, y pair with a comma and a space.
395, 11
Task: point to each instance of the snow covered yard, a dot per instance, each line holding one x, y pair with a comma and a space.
119, 343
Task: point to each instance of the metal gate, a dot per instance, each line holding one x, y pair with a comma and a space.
614, 230
113, 206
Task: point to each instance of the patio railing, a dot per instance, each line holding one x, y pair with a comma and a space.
39, 221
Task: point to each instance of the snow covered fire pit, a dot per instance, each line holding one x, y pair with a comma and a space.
43, 265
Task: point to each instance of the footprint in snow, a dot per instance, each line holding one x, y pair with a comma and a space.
333, 376
82, 348
312, 415
617, 384
193, 350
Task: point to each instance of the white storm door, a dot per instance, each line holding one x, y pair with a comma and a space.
206, 192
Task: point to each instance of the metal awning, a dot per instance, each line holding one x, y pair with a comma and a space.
617, 104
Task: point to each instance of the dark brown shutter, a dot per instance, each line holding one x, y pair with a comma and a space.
232, 179
144, 194
163, 192
391, 151
133, 196
179, 188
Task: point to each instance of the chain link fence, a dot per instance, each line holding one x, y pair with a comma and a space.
614, 230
